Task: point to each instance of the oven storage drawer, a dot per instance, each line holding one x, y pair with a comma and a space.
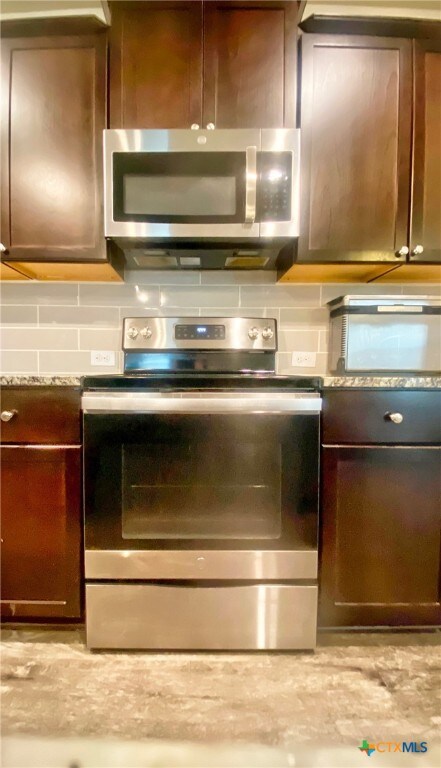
164, 616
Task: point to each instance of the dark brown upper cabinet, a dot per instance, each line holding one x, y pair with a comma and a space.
53, 114
177, 64
371, 163
425, 225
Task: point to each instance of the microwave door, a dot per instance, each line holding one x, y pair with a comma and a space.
187, 193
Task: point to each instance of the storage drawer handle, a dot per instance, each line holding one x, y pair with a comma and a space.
397, 418
7, 415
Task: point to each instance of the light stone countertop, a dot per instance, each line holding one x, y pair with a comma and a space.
398, 382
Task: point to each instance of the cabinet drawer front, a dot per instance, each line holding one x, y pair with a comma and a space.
354, 417
41, 415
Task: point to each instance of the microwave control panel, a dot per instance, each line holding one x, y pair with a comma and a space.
274, 171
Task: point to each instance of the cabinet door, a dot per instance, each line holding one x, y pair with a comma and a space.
156, 64
380, 536
356, 109
426, 202
250, 55
53, 115
41, 532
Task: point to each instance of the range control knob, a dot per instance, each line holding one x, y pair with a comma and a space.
253, 332
267, 333
146, 332
132, 332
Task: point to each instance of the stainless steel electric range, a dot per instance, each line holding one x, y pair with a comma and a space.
201, 475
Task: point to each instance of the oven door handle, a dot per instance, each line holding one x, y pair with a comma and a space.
211, 404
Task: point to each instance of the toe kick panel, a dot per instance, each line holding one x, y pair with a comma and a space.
233, 617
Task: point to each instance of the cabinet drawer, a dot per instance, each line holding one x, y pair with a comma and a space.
361, 416
41, 415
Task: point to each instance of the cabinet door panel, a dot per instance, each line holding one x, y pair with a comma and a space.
156, 65
356, 122
53, 117
41, 532
381, 536
426, 204
250, 64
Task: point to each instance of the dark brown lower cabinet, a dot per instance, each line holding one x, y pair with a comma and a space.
41, 532
380, 536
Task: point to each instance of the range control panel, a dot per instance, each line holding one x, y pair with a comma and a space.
274, 170
216, 333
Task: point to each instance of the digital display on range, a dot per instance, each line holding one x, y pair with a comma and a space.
188, 332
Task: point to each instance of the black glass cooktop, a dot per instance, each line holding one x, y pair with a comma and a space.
200, 381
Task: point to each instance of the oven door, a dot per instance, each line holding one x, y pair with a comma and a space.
173, 184
198, 486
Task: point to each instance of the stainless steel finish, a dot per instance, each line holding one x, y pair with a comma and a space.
227, 564
251, 185
253, 333
163, 333
194, 127
201, 402
396, 334
397, 418
236, 140
254, 617
418, 250
403, 251
132, 333
267, 333
7, 415
146, 332
210, 126
284, 140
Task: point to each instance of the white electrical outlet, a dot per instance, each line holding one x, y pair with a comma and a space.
102, 358
303, 359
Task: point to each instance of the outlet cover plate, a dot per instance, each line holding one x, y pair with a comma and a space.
102, 357
303, 359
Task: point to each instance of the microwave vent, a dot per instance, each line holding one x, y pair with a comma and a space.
246, 262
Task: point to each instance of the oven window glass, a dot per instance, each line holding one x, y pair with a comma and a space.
180, 195
194, 490
179, 187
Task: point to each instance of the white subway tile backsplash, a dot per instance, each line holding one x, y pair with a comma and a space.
18, 315
101, 317
39, 338
39, 293
237, 277
298, 341
98, 294
285, 367
18, 362
279, 296
100, 339
74, 362
199, 296
53, 327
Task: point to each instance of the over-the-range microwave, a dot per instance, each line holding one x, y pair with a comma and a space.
209, 199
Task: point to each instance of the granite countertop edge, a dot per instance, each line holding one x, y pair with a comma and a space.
361, 382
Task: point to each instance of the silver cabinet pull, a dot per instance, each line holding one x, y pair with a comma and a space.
250, 184
403, 251
7, 415
3, 249
194, 127
397, 418
210, 126
418, 250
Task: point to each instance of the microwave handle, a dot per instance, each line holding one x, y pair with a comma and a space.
250, 185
